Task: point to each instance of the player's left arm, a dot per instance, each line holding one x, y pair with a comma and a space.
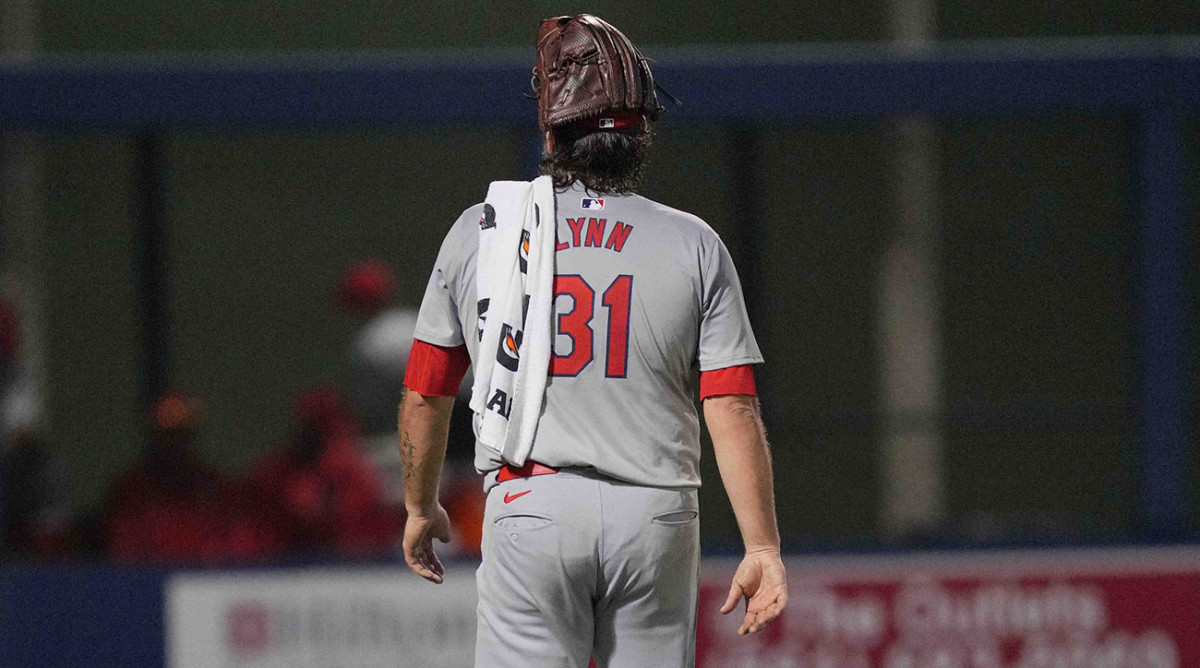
744, 459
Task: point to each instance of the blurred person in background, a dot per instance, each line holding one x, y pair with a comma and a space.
35, 519
379, 351
8, 357
378, 357
323, 494
38, 522
173, 508
19, 405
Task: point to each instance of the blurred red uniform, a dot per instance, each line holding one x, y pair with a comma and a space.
193, 515
172, 508
321, 490
10, 337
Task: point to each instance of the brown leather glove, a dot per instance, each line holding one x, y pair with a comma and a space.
586, 67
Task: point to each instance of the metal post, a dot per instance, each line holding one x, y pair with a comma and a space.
745, 171
22, 226
909, 303
1163, 446
149, 215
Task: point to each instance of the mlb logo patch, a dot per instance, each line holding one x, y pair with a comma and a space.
607, 123
591, 203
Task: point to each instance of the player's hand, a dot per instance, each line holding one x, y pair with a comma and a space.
419, 531
762, 581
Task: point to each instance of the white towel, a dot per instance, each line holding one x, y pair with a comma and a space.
515, 284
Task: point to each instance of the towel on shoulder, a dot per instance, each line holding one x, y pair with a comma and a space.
515, 284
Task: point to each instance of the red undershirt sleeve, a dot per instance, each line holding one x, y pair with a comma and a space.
730, 380
436, 371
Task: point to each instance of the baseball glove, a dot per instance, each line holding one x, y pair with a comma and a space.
586, 67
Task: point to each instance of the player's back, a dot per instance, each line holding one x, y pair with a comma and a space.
633, 279
645, 296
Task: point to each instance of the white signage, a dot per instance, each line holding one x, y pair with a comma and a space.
321, 618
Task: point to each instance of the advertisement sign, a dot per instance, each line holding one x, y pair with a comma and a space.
1112, 608
320, 618
1079, 609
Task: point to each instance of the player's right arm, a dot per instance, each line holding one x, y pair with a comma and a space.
435, 368
424, 429
744, 460
431, 380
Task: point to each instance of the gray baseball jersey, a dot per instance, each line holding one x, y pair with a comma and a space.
645, 296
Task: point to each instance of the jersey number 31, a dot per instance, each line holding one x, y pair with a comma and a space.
576, 324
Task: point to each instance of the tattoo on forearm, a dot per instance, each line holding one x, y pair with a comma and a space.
751, 411
406, 455
745, 412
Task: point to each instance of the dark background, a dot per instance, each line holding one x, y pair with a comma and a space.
1038, 271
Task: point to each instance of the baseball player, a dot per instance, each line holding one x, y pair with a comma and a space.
591, 545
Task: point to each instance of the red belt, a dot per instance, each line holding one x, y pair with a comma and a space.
531, 468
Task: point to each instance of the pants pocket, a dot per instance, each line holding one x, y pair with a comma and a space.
674, 518
522, 523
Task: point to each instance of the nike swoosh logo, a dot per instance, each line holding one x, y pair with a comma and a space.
510, 497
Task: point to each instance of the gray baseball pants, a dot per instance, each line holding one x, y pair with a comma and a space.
577, 565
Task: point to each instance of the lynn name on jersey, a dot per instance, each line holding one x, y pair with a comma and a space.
590, 232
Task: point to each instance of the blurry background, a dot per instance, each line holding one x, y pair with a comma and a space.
981, 326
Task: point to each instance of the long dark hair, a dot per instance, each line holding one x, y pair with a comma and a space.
603, 161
